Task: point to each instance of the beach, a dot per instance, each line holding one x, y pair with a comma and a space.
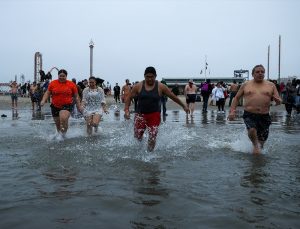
25, 103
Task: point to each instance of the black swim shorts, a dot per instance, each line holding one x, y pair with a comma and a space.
55, 110
191, 98
261, 122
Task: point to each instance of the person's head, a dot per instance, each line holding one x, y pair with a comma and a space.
34, 83
62, 75
85, 82
191, 82
258, 73
127, 81
92, 82
116, 84
150, 75
74, 80
234, 81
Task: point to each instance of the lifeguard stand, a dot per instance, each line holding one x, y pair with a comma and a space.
240, 73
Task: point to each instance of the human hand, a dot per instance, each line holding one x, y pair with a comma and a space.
80, 109
186, 109
231, 116
277, 100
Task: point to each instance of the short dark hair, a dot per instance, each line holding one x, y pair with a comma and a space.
150, 69
92, 78
257, 66
63, 71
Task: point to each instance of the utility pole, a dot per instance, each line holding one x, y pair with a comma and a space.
268, 73
279, 57
91, 45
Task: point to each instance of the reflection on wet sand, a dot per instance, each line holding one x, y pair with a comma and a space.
37, 115
150, 186
15, 114
255, 176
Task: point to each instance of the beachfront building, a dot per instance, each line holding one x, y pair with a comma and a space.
181, 82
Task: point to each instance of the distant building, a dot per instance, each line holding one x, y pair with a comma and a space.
181, 82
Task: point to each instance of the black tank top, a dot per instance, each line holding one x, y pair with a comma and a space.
149, 101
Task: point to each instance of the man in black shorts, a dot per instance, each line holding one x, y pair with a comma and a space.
190, 95
258, 94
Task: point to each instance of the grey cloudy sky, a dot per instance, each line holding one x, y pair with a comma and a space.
172, 35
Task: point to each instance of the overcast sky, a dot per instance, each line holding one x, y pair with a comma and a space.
174, 36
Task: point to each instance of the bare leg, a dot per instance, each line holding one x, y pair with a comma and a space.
252, 134
151, 143
192, 108
96, 121
89, 127
57, 123
64, 116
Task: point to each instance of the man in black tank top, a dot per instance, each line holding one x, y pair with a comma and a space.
147, 116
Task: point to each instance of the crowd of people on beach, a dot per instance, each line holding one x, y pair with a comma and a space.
149, 95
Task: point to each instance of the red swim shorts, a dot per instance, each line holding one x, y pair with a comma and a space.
150, 121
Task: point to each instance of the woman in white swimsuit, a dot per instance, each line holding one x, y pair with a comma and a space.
93, 104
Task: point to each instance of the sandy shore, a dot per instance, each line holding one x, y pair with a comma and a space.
25, 103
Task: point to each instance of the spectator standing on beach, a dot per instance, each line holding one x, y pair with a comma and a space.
282, 91
164, 100
175, 89
258, 94
149, 92
38, 96
291, 93
218, 94
125, 90
206, 90
117, 91
33, 95
93, 105
14, 94
190, 95
63, 92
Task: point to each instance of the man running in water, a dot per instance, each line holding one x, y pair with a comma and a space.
258, 94
147, 116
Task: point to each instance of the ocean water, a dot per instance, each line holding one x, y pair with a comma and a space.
201, 174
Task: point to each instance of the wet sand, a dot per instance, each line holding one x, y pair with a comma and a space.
25, 103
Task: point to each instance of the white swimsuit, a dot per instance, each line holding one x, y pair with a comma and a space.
93, 100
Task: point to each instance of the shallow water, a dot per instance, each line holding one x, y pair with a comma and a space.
200, 175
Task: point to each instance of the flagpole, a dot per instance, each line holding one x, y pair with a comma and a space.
205, 67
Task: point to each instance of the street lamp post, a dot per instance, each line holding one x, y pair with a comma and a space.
91, 45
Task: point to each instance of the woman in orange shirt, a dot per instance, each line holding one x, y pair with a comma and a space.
62, 92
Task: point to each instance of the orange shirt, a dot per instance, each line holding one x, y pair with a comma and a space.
62, 93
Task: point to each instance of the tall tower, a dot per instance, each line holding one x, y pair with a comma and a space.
91, 45
38, 65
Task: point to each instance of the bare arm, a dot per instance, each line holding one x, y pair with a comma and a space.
235, 102
132, 93
276, 96
166, 91
77, 101
45, 97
